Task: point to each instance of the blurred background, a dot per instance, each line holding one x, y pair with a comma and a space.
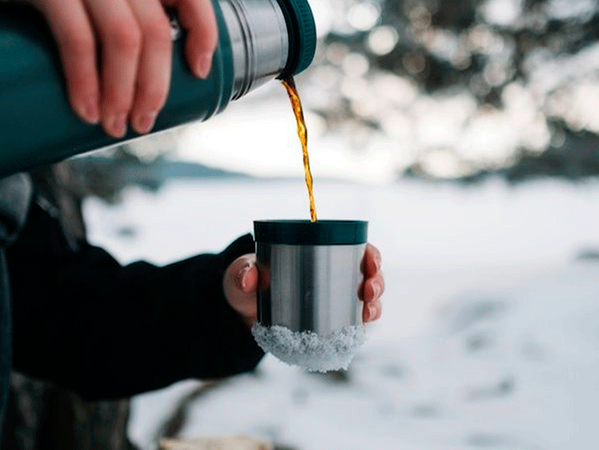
466, 132
427, 89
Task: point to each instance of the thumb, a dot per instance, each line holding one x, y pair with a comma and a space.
244, 274
240, 284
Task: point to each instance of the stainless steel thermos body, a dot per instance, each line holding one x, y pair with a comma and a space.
259, 52
259, 40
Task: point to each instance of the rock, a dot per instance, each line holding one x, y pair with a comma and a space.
588, 255
217, 443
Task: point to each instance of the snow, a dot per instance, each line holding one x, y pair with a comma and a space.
310, 350
490, 329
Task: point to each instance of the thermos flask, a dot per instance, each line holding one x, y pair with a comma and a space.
259, 40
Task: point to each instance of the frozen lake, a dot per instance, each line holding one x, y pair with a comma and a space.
490, 331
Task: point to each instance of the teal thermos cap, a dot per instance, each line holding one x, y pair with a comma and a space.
302, 35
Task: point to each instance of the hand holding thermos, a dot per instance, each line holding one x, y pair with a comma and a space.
116, 55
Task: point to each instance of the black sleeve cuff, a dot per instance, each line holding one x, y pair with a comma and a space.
223, 336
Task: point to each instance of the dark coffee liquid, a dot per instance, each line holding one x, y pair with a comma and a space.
302, 133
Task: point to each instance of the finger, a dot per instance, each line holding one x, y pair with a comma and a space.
197, 16
74, 35
379, 279
154, 68
372, 289
371, 263
121, 39
371, 311
240, 285
378, 307
249, 280
243, 274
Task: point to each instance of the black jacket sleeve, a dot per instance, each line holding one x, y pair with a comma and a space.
107, 331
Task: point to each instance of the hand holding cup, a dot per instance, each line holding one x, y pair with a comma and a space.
241, 285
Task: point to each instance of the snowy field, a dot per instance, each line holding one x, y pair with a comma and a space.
490, 332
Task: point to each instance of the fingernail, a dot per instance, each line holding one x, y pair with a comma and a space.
91, 111
145, 122
243, 276
377, 290
371, 312
117, 125
203, 65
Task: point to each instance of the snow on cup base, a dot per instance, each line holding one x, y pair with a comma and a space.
314, 352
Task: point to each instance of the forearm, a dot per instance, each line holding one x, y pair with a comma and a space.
109, 331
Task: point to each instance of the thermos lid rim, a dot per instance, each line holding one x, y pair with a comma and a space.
302, 35
304, 232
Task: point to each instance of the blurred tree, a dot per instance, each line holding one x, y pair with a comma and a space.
530, 69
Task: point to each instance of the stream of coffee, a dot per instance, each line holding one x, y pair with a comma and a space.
302, 133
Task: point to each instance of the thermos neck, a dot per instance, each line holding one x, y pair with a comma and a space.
259, 42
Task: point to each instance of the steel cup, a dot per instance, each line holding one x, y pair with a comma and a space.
309, 273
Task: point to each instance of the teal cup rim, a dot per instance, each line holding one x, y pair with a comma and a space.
305, 232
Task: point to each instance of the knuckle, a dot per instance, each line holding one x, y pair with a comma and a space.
372, 282
125, 37
157, 33
375, 251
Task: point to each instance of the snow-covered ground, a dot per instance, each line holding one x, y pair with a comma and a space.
490, 331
